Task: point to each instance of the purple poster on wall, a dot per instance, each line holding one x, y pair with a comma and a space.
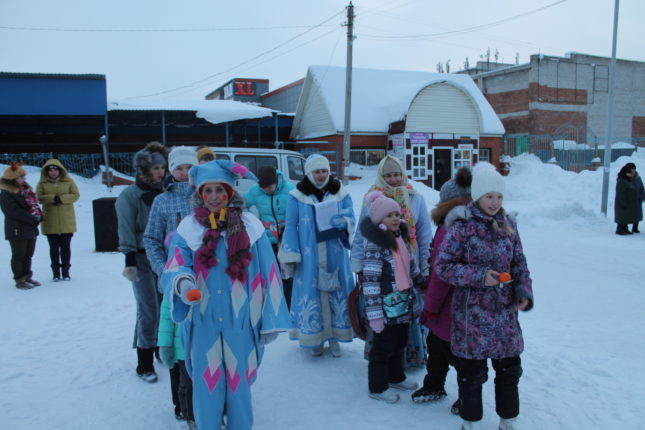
419, 138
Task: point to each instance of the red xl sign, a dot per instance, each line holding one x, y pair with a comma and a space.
244, 88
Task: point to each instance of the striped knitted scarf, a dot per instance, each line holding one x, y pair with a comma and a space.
238, 244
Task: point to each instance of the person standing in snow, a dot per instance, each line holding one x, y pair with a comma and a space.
628, 202
322, 280
480, 244
22, 215
392, 181
437, 302
269, 196
389, 273
167, 210
224, 288
133, 210
58, 192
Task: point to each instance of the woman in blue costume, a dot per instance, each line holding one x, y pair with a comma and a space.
392, 181
322, 277
224, 286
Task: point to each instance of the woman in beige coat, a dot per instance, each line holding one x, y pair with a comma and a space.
57, 192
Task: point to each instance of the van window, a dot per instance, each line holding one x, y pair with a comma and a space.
222, 157
296, 166
254, 162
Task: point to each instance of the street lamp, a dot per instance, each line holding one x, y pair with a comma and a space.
106, 160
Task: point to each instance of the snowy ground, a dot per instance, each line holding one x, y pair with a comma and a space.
67, 364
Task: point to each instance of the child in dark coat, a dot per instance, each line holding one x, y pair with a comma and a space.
389, 272
480, 245
437, 312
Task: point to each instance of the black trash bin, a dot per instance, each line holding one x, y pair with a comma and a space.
106, 233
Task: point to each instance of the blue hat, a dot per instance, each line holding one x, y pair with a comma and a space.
225, 171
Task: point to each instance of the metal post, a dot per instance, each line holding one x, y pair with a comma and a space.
610, 116
104, 139
163, 128
276, 143
227, 134
348, 93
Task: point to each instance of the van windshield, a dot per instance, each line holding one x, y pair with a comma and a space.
296, 166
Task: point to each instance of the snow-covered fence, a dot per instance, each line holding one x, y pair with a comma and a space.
568, 154
85, 165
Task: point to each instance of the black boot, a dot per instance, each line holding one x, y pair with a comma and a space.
622, 230
635, 228
56, 272
145, 366
66, 274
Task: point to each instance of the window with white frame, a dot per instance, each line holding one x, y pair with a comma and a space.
484, 154
461, 158
419, 161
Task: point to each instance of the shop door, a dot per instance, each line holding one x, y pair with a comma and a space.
442, 167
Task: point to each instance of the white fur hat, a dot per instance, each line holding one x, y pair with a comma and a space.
316, 162
486, 179
181, 155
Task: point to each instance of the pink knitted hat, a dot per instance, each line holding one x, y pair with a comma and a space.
379, 206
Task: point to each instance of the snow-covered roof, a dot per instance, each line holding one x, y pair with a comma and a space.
380, 97
213, 111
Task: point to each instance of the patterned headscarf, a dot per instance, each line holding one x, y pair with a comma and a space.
400, 194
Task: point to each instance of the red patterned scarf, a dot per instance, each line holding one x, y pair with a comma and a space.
239, 255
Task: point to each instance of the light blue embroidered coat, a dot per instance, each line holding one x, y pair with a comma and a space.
317, 315
221, 333
167, 210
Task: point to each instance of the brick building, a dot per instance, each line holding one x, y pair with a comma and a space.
567, 97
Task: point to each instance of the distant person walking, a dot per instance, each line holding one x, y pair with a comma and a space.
132, 210
21, 218
628, 203
58, 192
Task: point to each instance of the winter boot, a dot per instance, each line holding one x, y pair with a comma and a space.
22, 284
635, 228
33, 282
405, 385
191, 425
454, 409
386, 396
317, 351
508, 424
56, 272
428, 394
66, 274
145, 367
470, 425
334, 347
622, 230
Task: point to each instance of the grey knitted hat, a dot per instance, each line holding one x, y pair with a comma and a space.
457, 187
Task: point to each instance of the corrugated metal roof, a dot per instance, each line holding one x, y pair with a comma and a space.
51, 75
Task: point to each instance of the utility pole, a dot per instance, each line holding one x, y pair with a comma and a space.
348, 92
610, 116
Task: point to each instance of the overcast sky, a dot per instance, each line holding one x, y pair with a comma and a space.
131, 42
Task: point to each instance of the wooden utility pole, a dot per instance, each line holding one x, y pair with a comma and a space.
348, 93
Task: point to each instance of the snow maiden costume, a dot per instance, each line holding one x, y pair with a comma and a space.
229, 260
319, 306
415, 213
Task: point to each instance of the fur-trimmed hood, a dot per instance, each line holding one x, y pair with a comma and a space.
64, 175
374, 234
439, 213
307, 188
466, 211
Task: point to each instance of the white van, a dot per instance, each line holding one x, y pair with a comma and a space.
290, 163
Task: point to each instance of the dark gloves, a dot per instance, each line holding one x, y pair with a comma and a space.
419, 282
57, 201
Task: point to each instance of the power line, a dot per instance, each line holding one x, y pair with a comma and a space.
460, 31
192, 84
152, 30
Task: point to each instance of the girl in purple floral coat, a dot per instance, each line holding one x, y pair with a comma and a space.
479, 245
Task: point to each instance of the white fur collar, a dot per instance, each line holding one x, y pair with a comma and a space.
193, 232
308, 200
